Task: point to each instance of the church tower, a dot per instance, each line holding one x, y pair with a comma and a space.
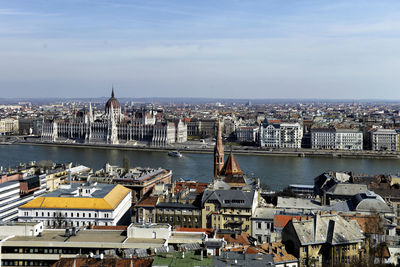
218, 153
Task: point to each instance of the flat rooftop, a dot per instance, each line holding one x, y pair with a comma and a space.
83, 239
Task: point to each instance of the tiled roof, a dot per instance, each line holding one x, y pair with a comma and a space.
107, 262
332, 229
148, 202
370, 224
231, 166
242, 238
280, 221
199, 187
278, 251
229, 198
109, 202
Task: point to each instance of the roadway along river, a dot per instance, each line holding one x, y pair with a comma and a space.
276, 171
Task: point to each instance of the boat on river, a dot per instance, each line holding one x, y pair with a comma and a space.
175, 154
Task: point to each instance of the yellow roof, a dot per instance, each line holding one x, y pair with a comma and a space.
109, 202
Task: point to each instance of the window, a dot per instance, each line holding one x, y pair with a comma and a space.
259, 225
207, 208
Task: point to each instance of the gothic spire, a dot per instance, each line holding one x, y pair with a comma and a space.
112, 92
218, 152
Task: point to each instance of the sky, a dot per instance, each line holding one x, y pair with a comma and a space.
212, 48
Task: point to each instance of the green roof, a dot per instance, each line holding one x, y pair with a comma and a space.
175, 259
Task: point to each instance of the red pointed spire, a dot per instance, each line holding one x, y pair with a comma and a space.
231, 166
218, 153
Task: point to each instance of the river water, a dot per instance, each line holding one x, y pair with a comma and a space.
276, 171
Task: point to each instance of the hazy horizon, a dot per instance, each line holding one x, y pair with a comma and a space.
219, 49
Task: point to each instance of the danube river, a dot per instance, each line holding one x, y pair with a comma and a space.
276, 171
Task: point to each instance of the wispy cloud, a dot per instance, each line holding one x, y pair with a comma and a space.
243, 48
11, 12
385, 26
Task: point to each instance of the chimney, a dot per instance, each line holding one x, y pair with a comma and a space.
329, 234
67, 233
316, 218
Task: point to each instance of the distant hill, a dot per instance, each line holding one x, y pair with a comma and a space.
184, 100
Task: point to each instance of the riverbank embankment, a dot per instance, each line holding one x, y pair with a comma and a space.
237, 150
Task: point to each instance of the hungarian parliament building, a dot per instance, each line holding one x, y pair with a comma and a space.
114, 128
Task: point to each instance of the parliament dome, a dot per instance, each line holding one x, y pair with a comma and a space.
113, 102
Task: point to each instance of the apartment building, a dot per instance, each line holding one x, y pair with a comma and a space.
281, 135
228, 209
331, 138
384, 139
80, 205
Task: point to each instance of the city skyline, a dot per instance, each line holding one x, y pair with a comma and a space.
224, 49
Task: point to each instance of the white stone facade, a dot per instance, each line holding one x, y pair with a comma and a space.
247, 133
74, 215
291, 135
341, 139
384, 139
281, 135
9, 126
270, 136
110, 131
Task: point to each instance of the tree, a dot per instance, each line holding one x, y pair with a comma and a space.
374, 246
126, 164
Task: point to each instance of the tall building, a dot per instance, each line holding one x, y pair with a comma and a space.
17, 189
247, 133
114, 128
231, 199
331, 138
384, 139
281, 135
80, 205
218, 153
